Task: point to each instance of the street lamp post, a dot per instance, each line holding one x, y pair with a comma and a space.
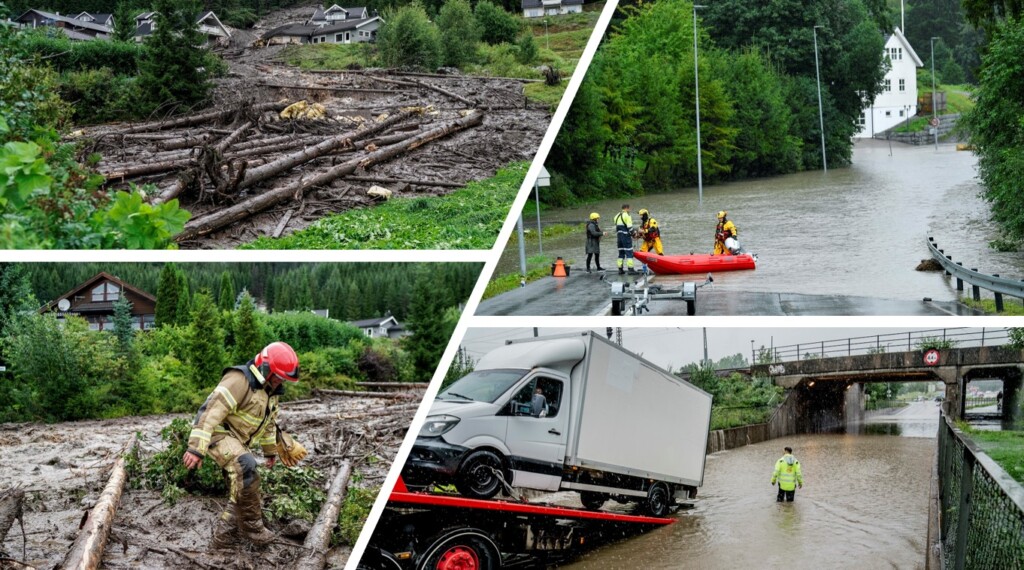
696, 90
821, 115
935, 121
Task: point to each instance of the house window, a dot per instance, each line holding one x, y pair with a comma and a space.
337, 38
888, 85
903, 85
347, 37
861, 120
901, 112
148, 322
899, 53
888, 113
105, 292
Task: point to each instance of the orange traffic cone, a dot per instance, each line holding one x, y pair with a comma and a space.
558, 270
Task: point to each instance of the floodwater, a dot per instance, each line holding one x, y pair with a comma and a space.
859, 230
864, 504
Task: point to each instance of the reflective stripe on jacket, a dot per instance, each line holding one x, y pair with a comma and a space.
623, 222
240, 407
787, 473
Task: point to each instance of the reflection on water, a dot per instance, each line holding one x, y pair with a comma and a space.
851, 231
864, 504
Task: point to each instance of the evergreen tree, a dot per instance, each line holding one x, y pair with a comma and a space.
15, 293
459, 32
184, 309
430, 331
167, 294
124, 23
174, 69
206, 342
248, 334
227, 292
123, 331
497, 25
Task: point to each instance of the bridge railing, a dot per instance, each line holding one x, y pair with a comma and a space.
891, 342
982, 516
998, 285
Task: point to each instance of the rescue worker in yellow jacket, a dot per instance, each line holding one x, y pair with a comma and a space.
624, 239
239, 413
788, 475
725, 230
650, 233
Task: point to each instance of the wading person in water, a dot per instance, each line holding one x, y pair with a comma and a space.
787, 474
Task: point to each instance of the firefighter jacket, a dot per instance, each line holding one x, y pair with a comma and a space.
240, 407
649, 229
726, 230
787, 473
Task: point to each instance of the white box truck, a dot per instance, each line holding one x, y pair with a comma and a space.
570, 412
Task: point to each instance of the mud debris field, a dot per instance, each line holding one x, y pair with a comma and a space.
244, 171
63, 468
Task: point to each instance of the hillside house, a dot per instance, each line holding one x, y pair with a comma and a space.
94, 301
336, 14
97, 18
208, 22
538, 8
335, 25
898, 100
381, 327
73, 28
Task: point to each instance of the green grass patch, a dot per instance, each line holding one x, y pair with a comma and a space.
551, 231
469, 218
506, 283
725, 417
957, 98
915, 125
354, 511
1005, 448
1011, 307
330, 56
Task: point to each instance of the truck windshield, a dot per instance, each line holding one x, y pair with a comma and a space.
482, 385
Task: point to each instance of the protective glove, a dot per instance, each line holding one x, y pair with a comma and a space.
289, 450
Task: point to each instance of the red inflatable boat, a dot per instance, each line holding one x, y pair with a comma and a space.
695, 263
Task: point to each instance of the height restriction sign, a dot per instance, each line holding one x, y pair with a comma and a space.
931, 358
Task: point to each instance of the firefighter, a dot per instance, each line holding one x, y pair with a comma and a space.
594, 235
650, 233
624, 239
787, 473
725, 230
239, 413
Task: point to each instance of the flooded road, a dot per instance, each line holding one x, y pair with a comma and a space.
852, 231
864, 504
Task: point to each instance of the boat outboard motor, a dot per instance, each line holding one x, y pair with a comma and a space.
733, 245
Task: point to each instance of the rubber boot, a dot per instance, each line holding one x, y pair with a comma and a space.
250, 515
225, 532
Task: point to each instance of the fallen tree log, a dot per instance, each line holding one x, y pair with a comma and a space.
87, 551
446, 93
406, 385
10, 511
329, 89
380, 180
216, 220
318, 539
202, 118
362, 394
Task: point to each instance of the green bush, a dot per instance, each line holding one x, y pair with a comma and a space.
165, 467
459, 32
526, 49
354, 511
306, 331
66, 55
498, 26
100, 95
409, 40
294, 492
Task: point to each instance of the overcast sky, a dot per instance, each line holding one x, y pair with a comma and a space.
677, 347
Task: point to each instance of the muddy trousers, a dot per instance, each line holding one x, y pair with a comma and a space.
787, 496
245, 510
597, 260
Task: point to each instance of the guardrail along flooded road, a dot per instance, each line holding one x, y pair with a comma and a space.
855, 231
864, 505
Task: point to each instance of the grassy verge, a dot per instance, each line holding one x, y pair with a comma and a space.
957, 99
469, 218
723, 417
1005, 447
506, 283
1011, 307
330, 56
551, 231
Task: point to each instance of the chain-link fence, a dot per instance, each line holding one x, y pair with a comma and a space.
982, 519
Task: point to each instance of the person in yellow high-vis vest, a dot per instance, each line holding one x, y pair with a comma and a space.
788, 475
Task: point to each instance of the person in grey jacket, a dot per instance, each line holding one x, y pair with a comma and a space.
594, 235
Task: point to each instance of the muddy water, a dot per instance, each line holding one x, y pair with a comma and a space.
852, 231
864, 504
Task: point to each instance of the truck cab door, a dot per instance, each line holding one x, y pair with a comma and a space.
538, 431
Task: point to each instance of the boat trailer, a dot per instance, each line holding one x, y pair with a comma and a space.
634, 298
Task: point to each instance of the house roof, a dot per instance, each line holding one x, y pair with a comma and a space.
101, 276
306, 31
538, 3
342, 26
71, 21
373, 322
79, 36
147, 28
896, 33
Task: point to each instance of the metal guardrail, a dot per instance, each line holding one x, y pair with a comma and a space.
998, 285
892, 342
982, 507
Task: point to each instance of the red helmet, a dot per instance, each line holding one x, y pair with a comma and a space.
278, 358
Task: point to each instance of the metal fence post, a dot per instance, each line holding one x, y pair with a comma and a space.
999, 298
982, 339
975, 289
959, 282
964, 512
909, 347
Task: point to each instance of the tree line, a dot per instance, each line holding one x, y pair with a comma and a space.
632, 125
60, 370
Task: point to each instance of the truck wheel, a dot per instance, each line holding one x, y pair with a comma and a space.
462, 550
691, 308
658, 500
476, 478
617, 307
592, 501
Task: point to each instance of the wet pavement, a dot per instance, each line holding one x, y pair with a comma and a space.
590, 294
851, 232
864, 504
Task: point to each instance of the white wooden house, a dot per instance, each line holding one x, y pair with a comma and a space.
381, 327
898, 100
538, 8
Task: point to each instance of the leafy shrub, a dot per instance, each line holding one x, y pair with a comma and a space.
459, 32
377, 366
306, 331
526, 49
498, 26
354, 511
165, 468
100, 95
295, 493
66, 55
409, 40
929, 343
